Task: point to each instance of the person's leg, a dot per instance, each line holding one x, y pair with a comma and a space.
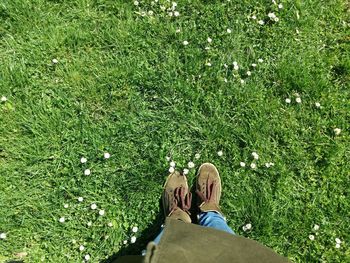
214, 220
157, 239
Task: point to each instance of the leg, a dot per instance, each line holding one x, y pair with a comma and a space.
214, 220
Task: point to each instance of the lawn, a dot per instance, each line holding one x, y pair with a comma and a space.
151, 81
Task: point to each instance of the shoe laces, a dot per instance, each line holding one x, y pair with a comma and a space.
210, 192
181, 200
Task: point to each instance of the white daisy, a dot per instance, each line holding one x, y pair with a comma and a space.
298, 100
253, 165
311, 237
253, 17
208, 64
225, 80
317, 104
280, 6
83, 160
168, 158
235, 63
106, 155
110, 224
133, 240
248, 226
225, 65
178, 30
81, 247
87, 172
54, 61
337, 240
62, 220
288, 100
2, 235
220, 153
276, 19
174, 4
261, 22
87, 257
316, 227
337, 131
65, 205
242, 164
101, 212
185, 43
135, 229
172, 164
3, 99
337, 245
80, 199
125, 242
242, 81
253, 65
89, 223
186, 171
171, 169
93, 206
190, 165
267, 165
255, 155
176, 13
136, 2
271, 15
229, 31
162, 7
244, 228
209, 40
236, 67
249, 73
260, 60
197, 156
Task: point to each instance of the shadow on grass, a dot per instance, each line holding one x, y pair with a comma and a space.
146, 236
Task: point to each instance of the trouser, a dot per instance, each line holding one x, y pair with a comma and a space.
207, 219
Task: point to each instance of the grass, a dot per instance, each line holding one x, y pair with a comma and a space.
125, 84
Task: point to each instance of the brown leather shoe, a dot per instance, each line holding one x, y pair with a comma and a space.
208, 188
176, 197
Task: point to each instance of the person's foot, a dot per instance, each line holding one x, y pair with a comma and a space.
208, 188
176, 197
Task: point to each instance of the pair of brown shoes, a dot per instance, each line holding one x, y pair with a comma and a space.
177, 198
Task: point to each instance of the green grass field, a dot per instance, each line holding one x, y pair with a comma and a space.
83, 77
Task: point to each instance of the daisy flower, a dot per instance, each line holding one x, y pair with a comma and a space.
288, 100
125, 242
2, 235
65, 205
253, 165
62, 220
172, 164
185, 43
135, 229
255, 155
3, 99
176, 13
186, 171
253, 17
209, 40
81, 247
248, 226
298, 100
311, 237
54, 61
87, 172
87, 257
337, 131
316, 227
317, 104
249, 73
260, 60
280, 6
83, 160
197, 156
133, 240
106, 155
190, 165
220, 153
80, 199
261, 22
93, 206
110, 224
253, 65
229, 31
242, 164
171, 169
136, 2
101, 212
